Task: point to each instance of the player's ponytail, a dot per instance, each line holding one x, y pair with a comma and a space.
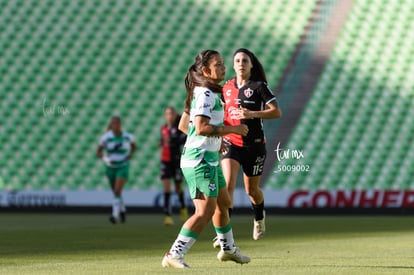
195, 76
257, 73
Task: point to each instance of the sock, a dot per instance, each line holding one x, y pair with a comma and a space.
258, 211
225, 236
230, 212
116, 205
181, 198
185, 240
123, 208
167, 210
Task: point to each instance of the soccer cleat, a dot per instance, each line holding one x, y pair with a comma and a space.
112, 219
176, 262
216, 242
233, 255
168, 221
123, 217
259, 228
183, 214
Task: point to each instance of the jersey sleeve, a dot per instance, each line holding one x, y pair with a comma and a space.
204, 103
267, 94
131, 138
102, 141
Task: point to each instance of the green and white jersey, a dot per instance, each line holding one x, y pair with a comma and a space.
197, 147
117, 148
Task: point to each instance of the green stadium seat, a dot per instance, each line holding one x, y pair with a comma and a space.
97, 58
363, 77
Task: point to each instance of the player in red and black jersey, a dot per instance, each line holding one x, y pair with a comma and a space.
171, 142
248, 100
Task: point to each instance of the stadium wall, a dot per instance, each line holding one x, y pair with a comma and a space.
289, 199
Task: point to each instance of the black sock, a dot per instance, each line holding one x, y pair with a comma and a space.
230, 212
181, 198
258, 211
167, 203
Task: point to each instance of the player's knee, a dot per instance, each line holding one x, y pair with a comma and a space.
223, 207
205, 216
252, 190
224, 204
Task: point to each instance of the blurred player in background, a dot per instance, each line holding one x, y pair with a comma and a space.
119, 147
246, 97
200, 161
171, 141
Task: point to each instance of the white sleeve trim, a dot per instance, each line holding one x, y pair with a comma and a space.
271, 100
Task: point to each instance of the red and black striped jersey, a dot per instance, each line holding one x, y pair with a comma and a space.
253, 96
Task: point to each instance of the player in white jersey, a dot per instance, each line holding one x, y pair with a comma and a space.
119, 147
200, 161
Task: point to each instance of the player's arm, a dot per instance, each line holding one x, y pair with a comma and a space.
99, 151
183, 124
132, 150
272, 111
161, 141
204, 128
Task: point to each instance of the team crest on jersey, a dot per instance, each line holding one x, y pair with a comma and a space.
233, 112
212, 186
248, 92
228, 92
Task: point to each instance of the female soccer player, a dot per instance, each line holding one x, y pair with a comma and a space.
171, 141
119, 146
246, 96
200, 161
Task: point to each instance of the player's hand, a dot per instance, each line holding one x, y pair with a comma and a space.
107, 160
244, 113
99, 155
241, 129
167, 140
224, 147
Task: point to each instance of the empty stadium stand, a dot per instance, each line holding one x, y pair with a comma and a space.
67, 66
357, 130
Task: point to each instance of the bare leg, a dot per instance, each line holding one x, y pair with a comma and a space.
204, 210
252, 187
230, 169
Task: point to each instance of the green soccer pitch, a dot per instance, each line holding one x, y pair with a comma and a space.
88, 244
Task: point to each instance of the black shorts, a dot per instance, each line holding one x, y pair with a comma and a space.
171, 170
251, 158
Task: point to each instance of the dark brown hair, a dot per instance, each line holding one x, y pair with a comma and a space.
257, 73
110, 122
195, 76
171, 108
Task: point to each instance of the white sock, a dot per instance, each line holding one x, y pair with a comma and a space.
123, 208
181, 245
226, 239
116, 207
